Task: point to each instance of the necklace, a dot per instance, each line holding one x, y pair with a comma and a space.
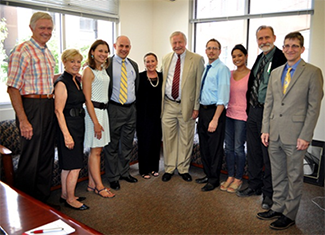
151, 81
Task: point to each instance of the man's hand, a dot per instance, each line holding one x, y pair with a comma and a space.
26, 129
265, 139
195, 114
302, 144
213, 125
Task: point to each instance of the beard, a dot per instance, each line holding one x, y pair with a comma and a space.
266, 47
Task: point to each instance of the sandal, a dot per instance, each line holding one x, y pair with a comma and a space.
234, 187
155, 173
224, 185
90, 189
146, 176
110, 194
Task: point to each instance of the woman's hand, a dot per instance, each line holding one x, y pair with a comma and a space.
98, 131
69, 143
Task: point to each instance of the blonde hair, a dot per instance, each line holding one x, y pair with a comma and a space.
37, 16
69, 54
176, 33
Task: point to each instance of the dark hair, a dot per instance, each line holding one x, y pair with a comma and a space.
239, 47
296, 35
91, 62
150, 53
214, 40
265, 27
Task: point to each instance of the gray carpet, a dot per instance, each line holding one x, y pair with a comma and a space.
179, 207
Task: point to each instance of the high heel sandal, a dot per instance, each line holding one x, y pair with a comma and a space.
234, 187
90, 189
110, 194
224, 185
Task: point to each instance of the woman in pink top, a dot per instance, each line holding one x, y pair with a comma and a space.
236, 121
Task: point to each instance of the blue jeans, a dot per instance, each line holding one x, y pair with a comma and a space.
234, 147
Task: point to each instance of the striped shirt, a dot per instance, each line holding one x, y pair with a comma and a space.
31, 68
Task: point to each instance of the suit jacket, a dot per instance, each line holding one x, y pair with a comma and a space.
293, 115
109, 71
278, 59
191, 82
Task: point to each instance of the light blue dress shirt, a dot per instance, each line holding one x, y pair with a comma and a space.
286, 67
216, 87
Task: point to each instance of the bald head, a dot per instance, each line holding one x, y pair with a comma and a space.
122, 46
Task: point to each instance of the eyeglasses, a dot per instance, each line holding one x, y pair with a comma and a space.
287, 47
212, 48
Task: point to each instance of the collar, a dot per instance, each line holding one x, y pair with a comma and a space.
32, 40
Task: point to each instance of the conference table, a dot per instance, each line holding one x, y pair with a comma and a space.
20, 212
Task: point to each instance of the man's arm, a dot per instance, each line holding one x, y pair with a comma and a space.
199, 72
25, 127
214, 122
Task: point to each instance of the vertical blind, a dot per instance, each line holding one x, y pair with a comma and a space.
96, 9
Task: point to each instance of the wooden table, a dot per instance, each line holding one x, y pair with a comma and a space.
20, 212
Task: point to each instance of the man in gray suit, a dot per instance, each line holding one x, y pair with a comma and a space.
182, 72
122, 113
290, 115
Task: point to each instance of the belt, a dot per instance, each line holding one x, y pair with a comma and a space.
211, 106
119, 104
74, 112
176, 101
34, 96
99, 105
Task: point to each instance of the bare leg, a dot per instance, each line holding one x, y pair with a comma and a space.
71, 182
64, 175
95, 180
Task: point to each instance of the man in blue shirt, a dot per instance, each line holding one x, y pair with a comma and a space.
214, 98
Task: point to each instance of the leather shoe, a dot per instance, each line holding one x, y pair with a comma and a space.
80, 199
208, 187
268, 215
82, 208
203, 180
282, 223
267, 203
115, 185
129, 179
248, 192
186, 176
166, 177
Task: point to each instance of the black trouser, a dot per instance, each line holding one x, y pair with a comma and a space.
257, 154
211, 143
34, 173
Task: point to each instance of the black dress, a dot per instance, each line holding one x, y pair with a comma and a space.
149, 124
74, 114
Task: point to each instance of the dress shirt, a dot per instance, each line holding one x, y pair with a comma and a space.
131, 75
265, 76
31, 69
170, 76
286, 67
216, 87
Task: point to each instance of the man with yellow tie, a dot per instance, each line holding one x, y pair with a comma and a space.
291, 110
124, 80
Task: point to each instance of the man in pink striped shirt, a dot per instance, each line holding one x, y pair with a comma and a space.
30, 87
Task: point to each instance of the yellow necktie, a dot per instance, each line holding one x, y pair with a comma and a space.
124, 84
287, 80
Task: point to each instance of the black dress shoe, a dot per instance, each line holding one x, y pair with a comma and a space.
129, 179
267, 203
203, 180
166, 177
115, 185
80, 199
82, 208
208, 187
249, 192
282, 223
268, 215
186, 176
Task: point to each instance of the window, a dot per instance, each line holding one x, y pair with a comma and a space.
234, 22
70, 31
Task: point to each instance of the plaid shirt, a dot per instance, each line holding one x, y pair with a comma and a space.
31, 68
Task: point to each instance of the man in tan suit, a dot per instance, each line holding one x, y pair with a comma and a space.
290, 115
182, 72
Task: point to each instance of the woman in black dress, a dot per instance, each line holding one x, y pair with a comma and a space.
70, 114
148, 118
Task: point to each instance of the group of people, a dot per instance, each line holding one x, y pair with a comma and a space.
273, 108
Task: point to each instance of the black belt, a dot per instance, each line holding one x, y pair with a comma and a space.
211, 106
74, 112
99, 105
123, 105
177, 101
